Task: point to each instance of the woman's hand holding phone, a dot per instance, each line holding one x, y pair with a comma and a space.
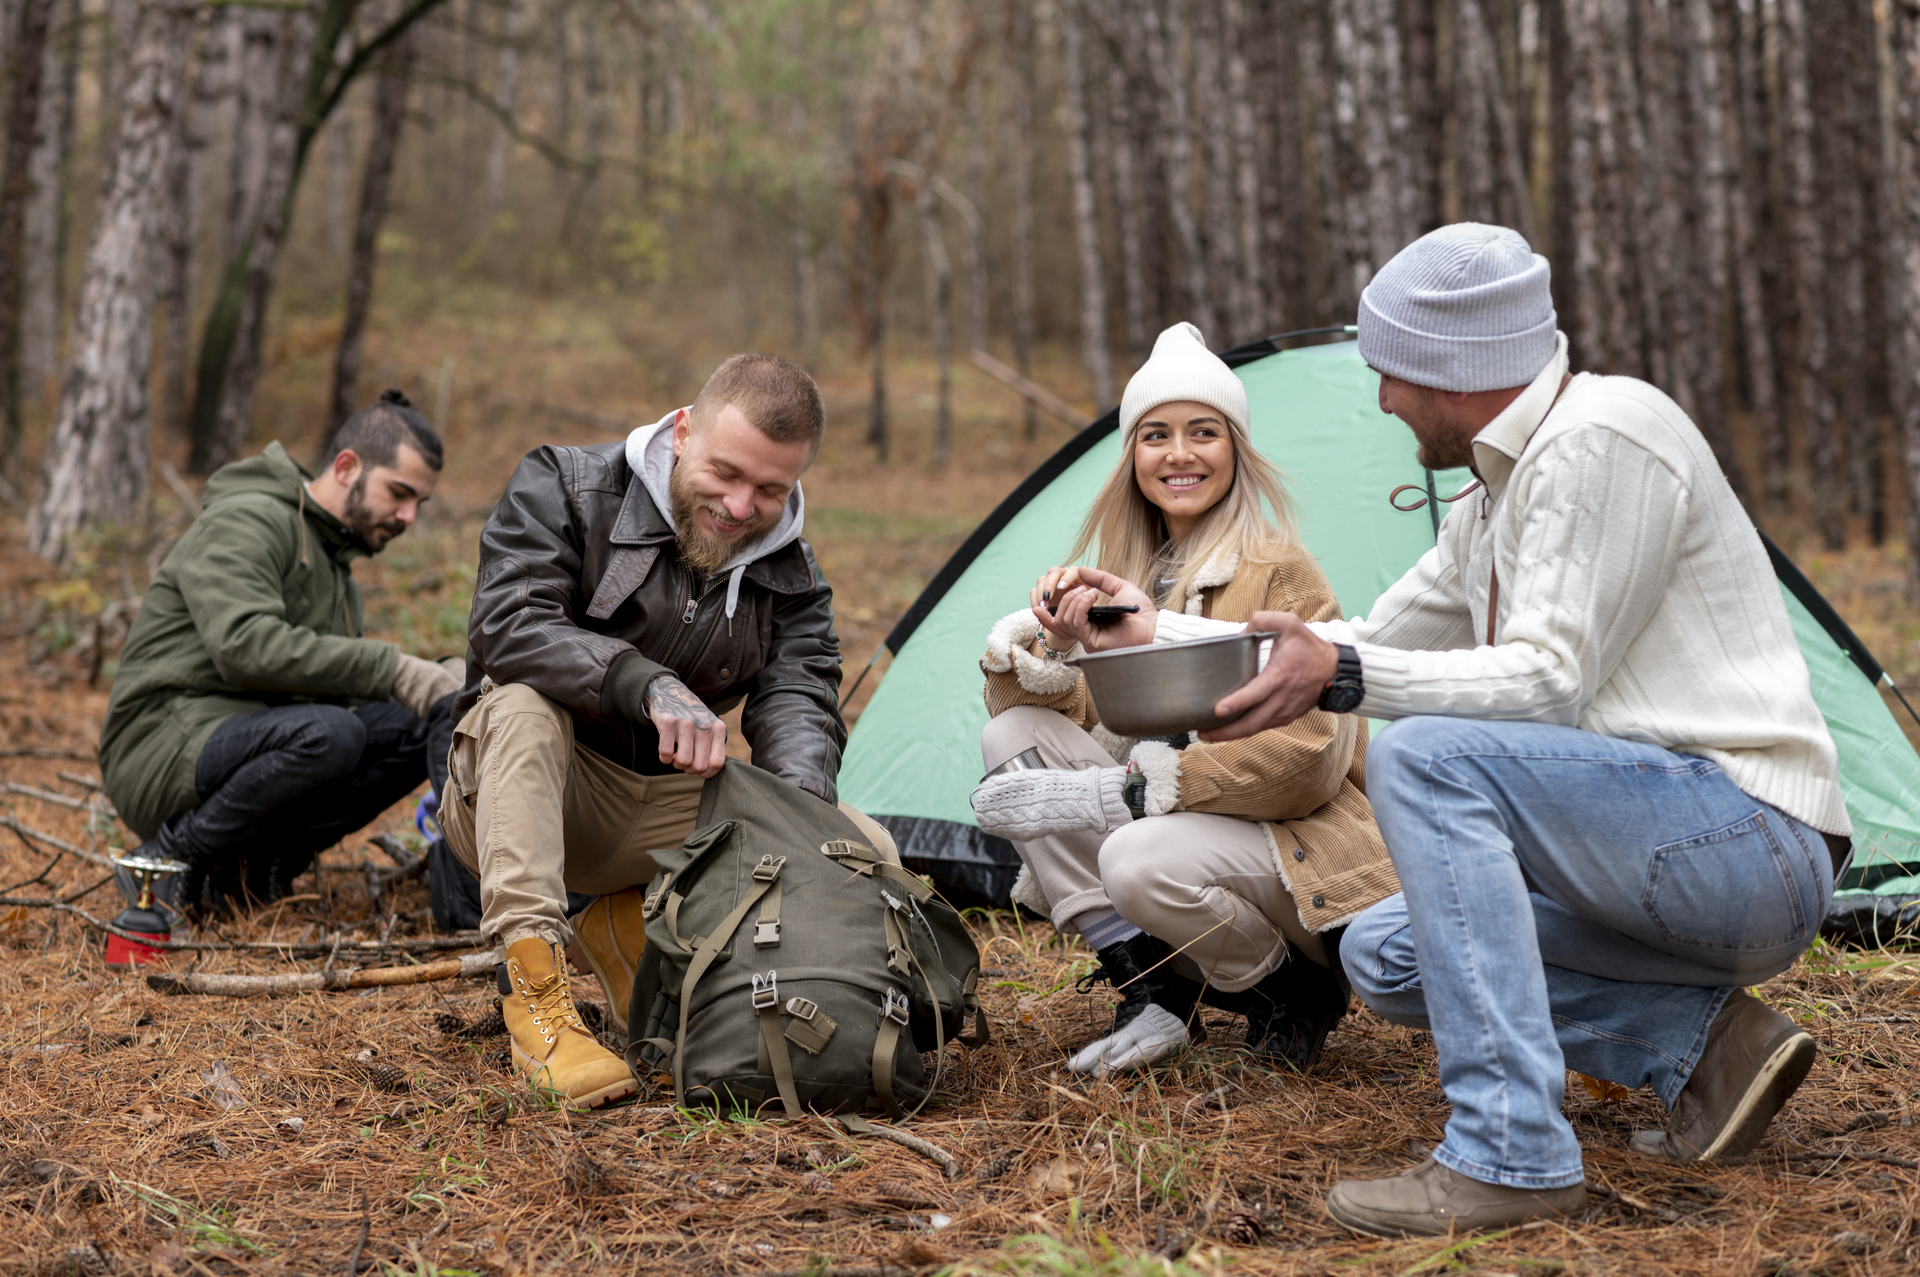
1063, 597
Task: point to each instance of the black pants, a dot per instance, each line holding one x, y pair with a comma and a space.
279, 785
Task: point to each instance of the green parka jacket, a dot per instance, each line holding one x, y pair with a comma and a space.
256, 606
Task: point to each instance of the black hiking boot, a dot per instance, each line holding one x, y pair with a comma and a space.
1293, 1008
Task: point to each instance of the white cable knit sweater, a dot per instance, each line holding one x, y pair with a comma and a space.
1635, 599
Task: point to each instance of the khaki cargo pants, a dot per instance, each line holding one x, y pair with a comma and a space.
534, 814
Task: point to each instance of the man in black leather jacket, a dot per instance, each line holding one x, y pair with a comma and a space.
629, 594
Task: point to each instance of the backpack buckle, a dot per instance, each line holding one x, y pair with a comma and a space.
766, 934
892, 903
894, 1007
802, 1008
766, 991
656, 900
769, 868
841, 848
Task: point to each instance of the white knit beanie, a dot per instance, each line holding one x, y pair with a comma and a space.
1466, 307
1181, 367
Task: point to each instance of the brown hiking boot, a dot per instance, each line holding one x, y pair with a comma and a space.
612, 935
551, 1048
1431, 1200
1755, 1058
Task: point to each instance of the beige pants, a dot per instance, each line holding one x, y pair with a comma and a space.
1205, 884
534, 815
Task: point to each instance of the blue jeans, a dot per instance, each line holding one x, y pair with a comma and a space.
1568, 901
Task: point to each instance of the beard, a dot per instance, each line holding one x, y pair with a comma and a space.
373, 533
703, 553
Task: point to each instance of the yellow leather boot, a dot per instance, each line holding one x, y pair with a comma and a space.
551, 1048
612, 936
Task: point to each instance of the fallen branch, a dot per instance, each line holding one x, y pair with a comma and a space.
335, 980
932, 1152
29, 832
1848, 1155
406, 865
1028, 389
69, 755
1633, 1203
48, 796
85, 782
430, 944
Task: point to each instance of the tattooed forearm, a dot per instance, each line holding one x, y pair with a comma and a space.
669, 698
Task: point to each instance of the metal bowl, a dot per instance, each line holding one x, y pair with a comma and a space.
1163, 688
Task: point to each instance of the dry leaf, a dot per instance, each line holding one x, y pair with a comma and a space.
1057, 1176
1605, 1092
223, 1089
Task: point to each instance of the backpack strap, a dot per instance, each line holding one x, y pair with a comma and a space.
773, 1041
970, 1001
703, 955
886, 1043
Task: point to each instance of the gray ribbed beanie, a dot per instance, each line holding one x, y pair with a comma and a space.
1466, 307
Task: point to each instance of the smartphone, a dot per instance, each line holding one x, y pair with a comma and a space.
1102, 615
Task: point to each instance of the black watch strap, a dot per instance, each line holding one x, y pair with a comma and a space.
1134, 790
1347, 689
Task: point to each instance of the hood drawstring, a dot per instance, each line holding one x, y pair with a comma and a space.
733, 594
303, 525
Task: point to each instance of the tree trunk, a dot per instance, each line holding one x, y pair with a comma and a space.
806, 294
939, 266
95, 470
1213, 108
231, 343
258, 40
383, 145
44, 225
1023, 37
1124, 135
1369, 113
1818, 412
1700, 48
1250, 320
1903, 284
506, 89
1093, 284
1425, 117
1490, 159
27, 67
1746, 209
1165, 38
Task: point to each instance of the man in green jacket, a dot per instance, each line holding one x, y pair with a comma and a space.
251, 723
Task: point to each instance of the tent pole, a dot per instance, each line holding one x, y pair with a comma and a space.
1894, 688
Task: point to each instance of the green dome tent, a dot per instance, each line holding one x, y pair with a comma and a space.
914, 754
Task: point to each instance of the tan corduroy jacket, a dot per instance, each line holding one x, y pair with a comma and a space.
1304, 782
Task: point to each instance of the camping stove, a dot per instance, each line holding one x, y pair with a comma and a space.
145, 917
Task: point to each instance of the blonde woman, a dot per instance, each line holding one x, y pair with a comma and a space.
1224, 871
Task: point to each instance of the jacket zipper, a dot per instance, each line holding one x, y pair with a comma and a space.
689, 612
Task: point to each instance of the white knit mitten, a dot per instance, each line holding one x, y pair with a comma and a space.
1022, 805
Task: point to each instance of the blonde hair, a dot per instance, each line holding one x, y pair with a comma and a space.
1129, 533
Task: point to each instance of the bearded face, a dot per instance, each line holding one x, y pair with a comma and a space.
373, 527
703, 551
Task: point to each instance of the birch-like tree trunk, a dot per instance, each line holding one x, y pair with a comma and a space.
180, 230
1250, 295
506, 90
1902, 228
1166, 36
95, 469
44, 226
258, 40
939, 266
1129, 216
26, 67
1094, 351
1818, 412
1023, 39
1490, 154
1425, 147
1369, 113
383, 146
1227, 283
1751, 241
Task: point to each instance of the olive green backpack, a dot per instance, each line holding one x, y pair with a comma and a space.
785, 958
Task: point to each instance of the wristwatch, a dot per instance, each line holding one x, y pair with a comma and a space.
1343, 694
1134, 790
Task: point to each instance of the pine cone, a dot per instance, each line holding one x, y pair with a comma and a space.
387, 1077
1242, 1228
996, 1166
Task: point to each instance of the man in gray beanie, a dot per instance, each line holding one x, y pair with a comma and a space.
1609, 795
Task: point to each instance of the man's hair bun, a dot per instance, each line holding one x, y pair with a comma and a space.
392, 396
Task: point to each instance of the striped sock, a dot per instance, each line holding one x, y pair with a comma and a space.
1103, 927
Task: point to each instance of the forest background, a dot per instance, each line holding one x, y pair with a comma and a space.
546, 219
